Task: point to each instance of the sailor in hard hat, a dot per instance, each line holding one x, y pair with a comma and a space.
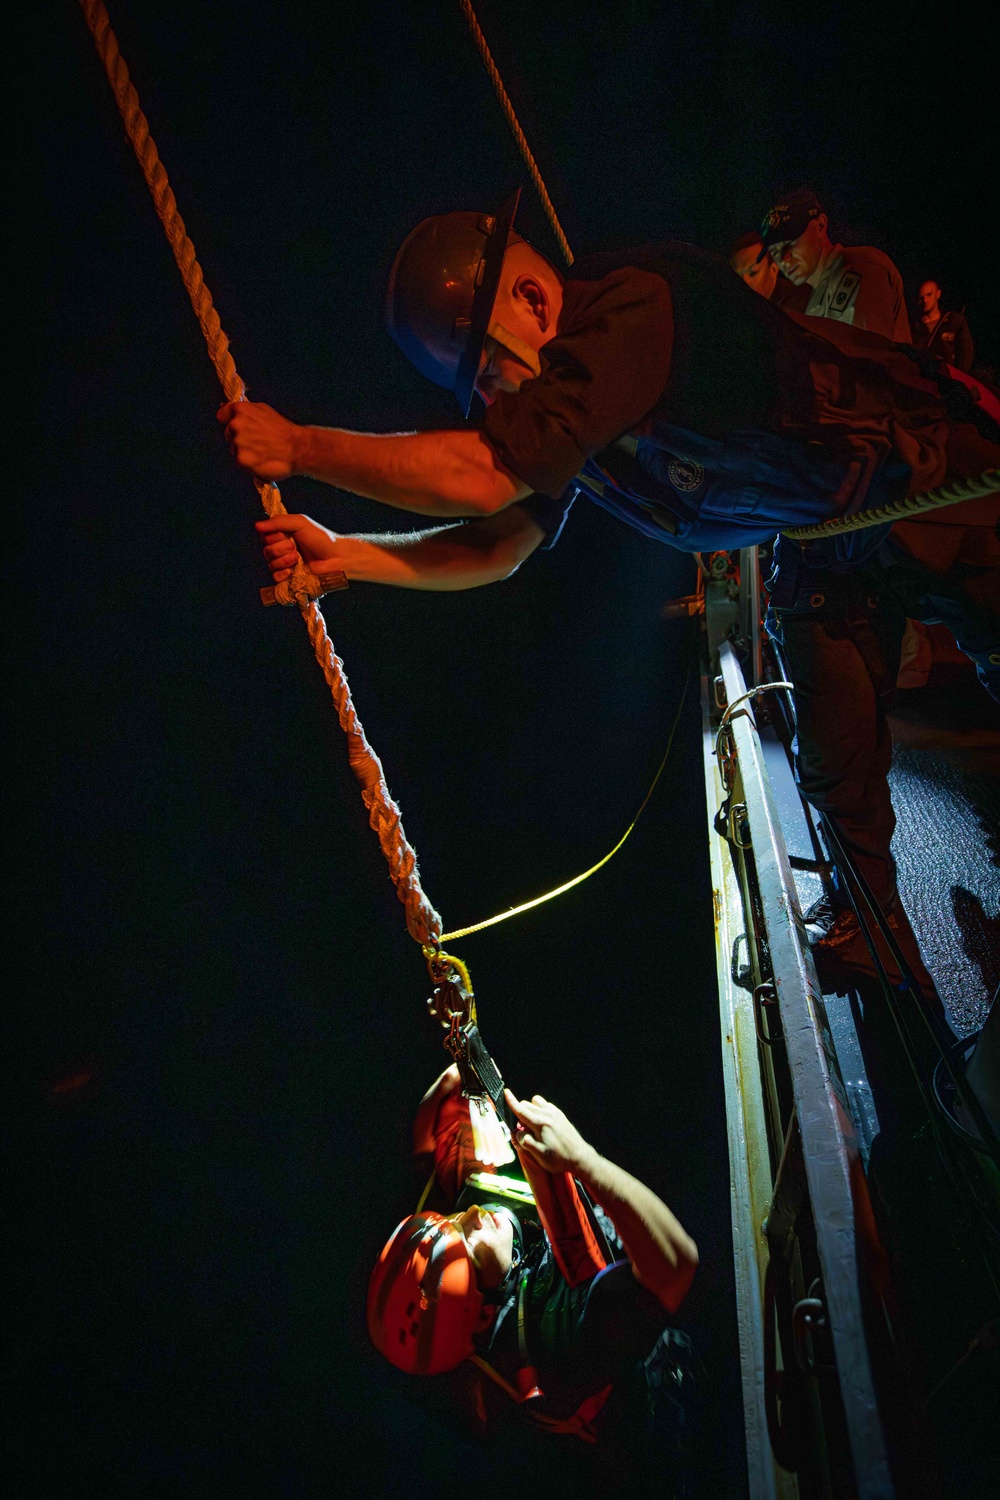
652, 381
551, 1304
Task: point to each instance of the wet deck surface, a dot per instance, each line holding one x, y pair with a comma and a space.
946, 790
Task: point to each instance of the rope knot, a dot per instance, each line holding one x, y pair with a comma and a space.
303, 586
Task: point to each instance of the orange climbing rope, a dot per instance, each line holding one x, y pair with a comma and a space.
422, 920
518, 133
304, 587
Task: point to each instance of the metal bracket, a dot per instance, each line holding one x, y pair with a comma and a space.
742, 974
764, 995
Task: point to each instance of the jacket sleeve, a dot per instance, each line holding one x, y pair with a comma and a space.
566, 1224
880, 305
604, 370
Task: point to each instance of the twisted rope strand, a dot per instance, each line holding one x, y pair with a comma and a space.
137, 129
988, 483
423, 922
518, 133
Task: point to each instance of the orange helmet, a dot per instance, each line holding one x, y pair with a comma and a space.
423, 1301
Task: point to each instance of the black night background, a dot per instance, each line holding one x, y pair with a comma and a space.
217, 1029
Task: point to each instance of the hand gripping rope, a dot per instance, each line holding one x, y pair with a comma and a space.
304, 587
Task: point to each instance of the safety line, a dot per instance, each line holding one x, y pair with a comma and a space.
988, 483
518, 133
422, 920
516, 911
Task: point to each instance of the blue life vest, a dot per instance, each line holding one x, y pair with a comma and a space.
704, 494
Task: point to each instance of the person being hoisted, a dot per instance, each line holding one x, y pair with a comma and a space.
550, 1305
652, 381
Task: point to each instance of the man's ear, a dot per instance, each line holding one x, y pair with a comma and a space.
822, 223
529, 290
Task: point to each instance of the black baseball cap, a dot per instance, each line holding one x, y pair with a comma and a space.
787, 220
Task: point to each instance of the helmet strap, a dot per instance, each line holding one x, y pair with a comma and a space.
515, 346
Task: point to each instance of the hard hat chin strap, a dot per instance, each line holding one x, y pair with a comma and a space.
515, 346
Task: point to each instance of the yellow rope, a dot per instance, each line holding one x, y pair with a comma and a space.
988, 483
422, 920
516, 911
518, 133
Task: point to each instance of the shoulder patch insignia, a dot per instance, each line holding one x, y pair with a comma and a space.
845, 292
686, 477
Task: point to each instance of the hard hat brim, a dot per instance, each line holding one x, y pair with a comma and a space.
484, 296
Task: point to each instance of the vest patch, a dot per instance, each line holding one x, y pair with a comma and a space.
686, 477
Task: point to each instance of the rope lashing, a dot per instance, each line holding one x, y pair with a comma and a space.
423, 922
518, 133
988, 483
755, 692
302, 585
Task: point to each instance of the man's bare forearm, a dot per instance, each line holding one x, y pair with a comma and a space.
664, 1257
431, 473
442, 559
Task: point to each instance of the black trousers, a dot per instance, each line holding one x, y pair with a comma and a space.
843, 663
842, 652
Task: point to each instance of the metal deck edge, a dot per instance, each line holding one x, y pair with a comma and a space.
749, 1161
830, 1147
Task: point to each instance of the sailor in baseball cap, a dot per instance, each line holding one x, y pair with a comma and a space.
789, 218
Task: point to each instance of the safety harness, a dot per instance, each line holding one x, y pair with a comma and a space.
581, 1251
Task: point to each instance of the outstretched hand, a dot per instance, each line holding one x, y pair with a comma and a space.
261, 439
548, 1137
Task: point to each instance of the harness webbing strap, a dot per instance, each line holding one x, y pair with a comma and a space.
422, 920
580, 1424
514, 123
